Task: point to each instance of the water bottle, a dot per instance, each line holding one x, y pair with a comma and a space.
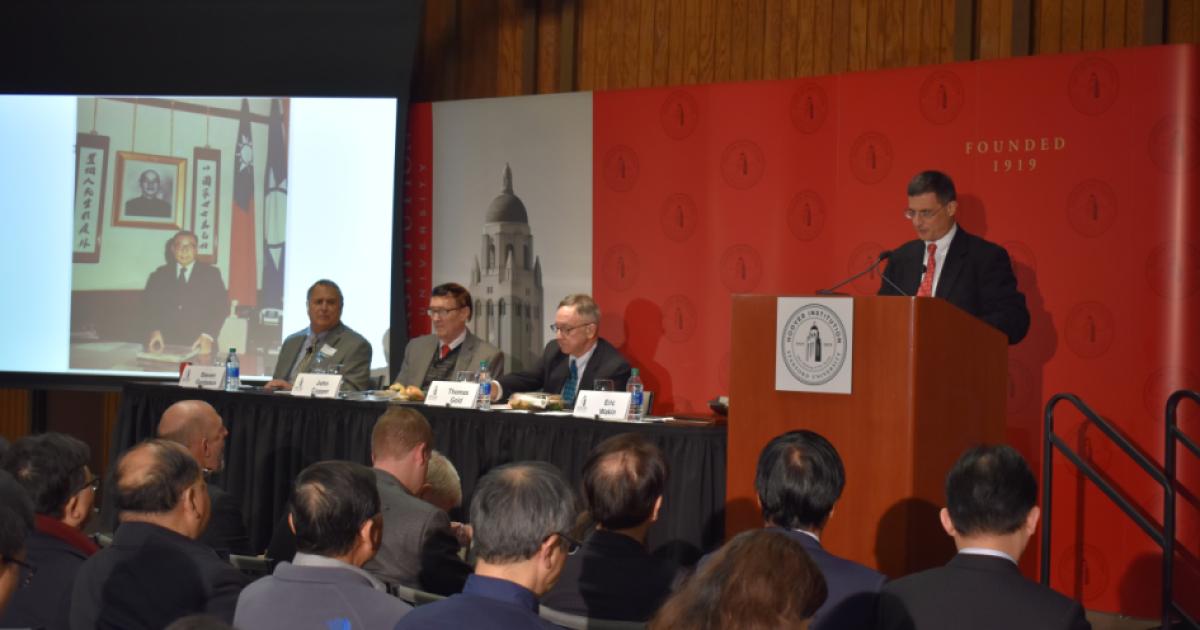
485, 387
233, 372
637, 392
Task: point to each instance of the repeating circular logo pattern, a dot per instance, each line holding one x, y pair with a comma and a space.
1174, 273
942, 97
621, 168
742, 164
813, 344
1092, 208
620, 268
1173, 144
679, 318
860, 259
1093, 86
1021, 395
679, 115
1090, 330
808, 108
1085, 567
678, 217
741, 268
806, 215
871, 157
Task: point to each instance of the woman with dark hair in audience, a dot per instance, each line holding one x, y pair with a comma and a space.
759, 580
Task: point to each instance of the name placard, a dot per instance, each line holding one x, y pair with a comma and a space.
602, 405
311, 385
203, 377
459, 395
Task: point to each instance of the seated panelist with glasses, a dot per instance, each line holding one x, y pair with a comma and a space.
450, 348
946, 262
574, 361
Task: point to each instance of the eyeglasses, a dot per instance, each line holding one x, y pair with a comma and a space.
923, 214
93, 484
27, 570
572, 544
442, 312
566, 330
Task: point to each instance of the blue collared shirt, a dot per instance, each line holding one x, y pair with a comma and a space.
484, 603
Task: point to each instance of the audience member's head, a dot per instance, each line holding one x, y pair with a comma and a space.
400, 445
521, 514
198, 427
799, 478
991, 500
335, 512
761, 579
158, 481
16, 521
53, 468
623, 482
443, 487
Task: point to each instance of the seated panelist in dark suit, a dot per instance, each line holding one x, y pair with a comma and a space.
799, 479
199, 428
450, 348
946, 262
614, 576
162, 499
53, 469
326, 343
991, 513
184, 302
574, 360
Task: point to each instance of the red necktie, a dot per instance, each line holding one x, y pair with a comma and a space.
926, 288
445, 350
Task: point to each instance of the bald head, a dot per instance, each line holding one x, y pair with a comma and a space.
198, 427
160, 481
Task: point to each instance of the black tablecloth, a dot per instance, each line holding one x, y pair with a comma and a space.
272, 437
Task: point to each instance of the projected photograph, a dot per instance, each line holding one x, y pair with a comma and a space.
149, 191
193, 258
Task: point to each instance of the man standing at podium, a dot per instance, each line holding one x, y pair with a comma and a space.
947, 262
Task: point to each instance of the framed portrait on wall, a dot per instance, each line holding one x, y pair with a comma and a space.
148, 190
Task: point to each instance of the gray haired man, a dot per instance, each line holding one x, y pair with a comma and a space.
521, 514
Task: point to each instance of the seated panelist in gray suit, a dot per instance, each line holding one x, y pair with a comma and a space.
450, 348
325, 344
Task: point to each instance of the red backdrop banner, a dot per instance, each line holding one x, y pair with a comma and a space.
1083, 166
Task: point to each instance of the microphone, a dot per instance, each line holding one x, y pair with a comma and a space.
884, 255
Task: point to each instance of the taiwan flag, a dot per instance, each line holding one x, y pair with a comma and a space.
274, 209
243, 265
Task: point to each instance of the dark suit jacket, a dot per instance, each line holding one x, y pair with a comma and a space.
149, 575
853, 588
226, 530
978, 592
419, 550
183, 311
353, 354
977, 277
485, 602
57, 551
612, 577
550, 372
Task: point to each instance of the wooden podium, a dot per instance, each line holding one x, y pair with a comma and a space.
928, 381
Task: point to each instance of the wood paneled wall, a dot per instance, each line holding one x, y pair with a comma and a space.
483, 48
14, 413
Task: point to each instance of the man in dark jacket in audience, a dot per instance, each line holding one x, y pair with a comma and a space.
613, 576
162, 499
53, 469
16, 521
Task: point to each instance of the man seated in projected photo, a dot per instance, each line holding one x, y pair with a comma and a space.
184, 302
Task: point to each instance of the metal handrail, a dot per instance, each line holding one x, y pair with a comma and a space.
1052, 441
1174, 435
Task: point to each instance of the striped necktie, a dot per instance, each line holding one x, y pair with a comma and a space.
568, 392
